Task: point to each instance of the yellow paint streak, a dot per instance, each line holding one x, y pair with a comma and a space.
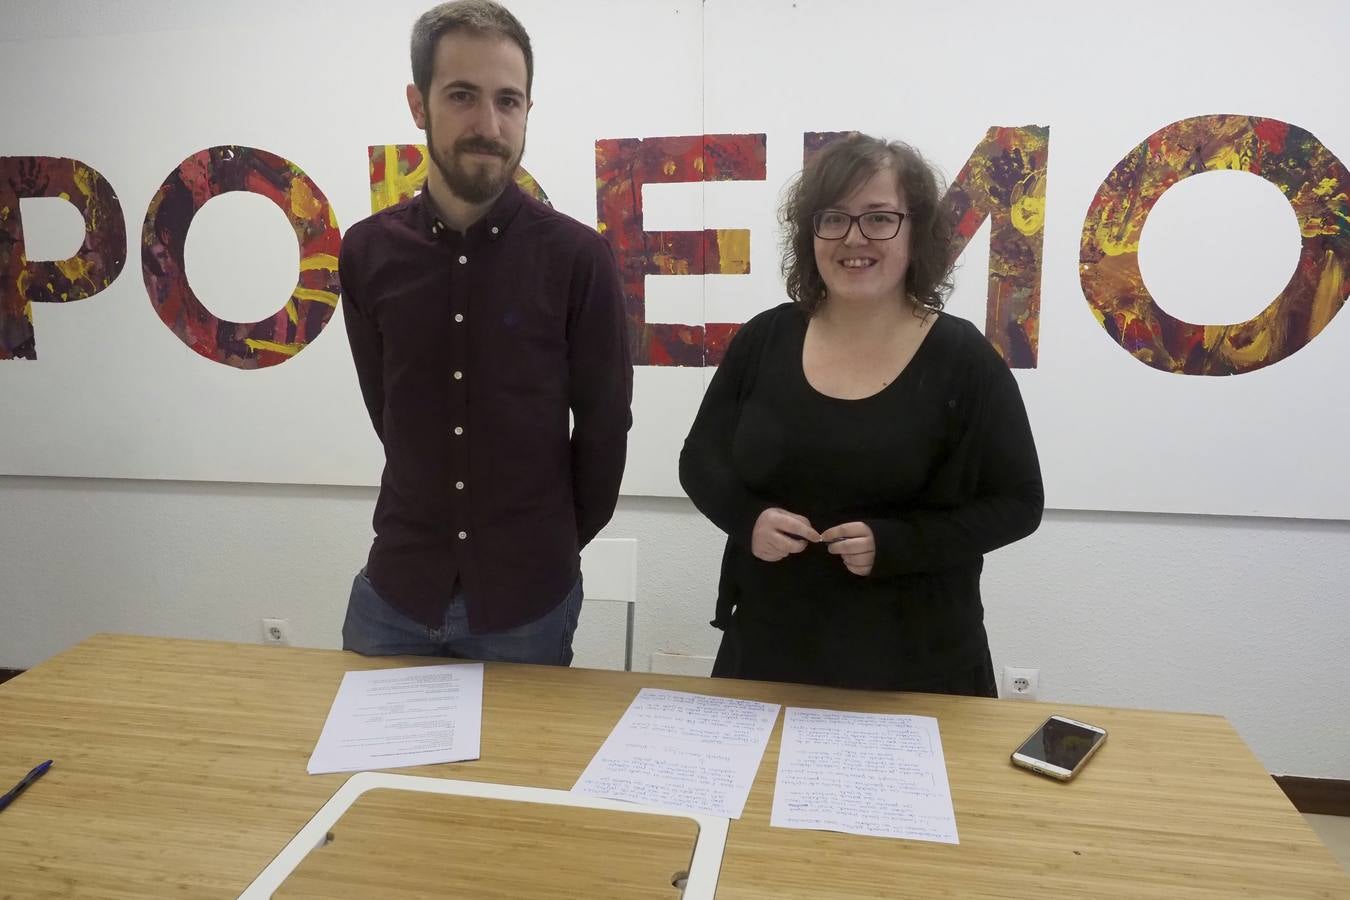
327, 298
319, 261
1256, 353
1325, 187
304, 205
670, 265
1227, 157
84, 180
733, 251
1325, 220
291, 312
1028, 205
75, 269
83, 177
1117, 239
274, 347
529, 185
396, 187
698, 164
1329, 296
669, 167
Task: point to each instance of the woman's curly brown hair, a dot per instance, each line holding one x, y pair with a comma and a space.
837, 171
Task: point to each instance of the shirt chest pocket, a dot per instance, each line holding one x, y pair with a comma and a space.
528, 327
526, 349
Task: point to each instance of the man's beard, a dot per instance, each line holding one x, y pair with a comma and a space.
469, 182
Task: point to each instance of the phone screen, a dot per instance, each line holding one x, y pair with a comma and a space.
1061, 744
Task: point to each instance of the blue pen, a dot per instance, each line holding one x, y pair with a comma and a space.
38, 772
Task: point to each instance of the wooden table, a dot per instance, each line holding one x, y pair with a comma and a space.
180, 772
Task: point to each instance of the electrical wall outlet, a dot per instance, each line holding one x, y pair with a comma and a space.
1021, 683
276, 631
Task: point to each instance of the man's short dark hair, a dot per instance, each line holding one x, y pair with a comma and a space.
480, 17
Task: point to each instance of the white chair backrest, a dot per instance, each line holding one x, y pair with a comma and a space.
609, 569
609, 574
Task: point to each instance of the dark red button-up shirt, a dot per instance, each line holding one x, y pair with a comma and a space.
471, 349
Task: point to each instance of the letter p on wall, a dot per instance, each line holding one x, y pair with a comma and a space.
93, 267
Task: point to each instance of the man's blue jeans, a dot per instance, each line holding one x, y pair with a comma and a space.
374, 628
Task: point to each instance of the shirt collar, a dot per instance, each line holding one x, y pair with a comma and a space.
492, 225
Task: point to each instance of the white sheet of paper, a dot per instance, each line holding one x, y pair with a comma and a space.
863, 773
413, 716
682, 751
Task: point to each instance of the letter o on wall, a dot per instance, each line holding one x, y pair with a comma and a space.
210, 173
1308, 174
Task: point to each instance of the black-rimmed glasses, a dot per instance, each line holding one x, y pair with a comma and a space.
876, 225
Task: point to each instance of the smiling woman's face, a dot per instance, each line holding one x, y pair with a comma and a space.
857, 268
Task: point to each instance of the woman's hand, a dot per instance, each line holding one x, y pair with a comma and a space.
854, 542
779, 533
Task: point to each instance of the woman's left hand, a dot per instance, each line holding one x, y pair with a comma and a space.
854, 542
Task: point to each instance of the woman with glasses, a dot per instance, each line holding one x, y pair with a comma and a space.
861, 448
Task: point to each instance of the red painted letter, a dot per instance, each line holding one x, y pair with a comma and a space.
209, 173
1306, 172
98, 261
622, 167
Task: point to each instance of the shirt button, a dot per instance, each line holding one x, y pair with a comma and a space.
458, 375
463, 260
459, 429
459, 485
459, 317
495, 229
463, 535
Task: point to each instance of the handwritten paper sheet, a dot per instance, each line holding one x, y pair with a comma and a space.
413, 716
863, 773
682, 751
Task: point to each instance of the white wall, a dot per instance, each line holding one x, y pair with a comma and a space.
1246, 618
141, 84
